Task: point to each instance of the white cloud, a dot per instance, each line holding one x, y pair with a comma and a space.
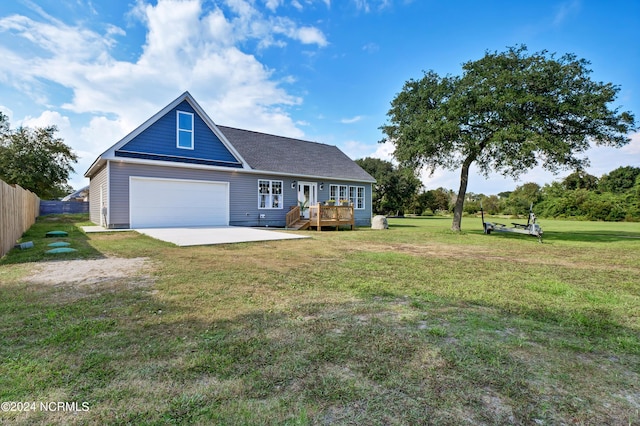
355, 149
384, 151
233, 86
371, 47
250, 23
203, 44
311, 35
365, 5
564, 10
115, 31
440, 179
62, 41
351, 120
272, 4
633, 147
90, 141
362, 5
103, 132
186, 48
48, 118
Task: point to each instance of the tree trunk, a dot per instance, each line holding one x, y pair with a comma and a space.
464, 179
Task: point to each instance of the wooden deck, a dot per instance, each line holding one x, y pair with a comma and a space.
319, 216
299, 225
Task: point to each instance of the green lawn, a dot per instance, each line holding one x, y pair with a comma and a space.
412, 325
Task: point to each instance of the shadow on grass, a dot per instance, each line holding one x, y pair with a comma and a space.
401, 225
593, 237
389, 357
69, 223
577, 236
406, 221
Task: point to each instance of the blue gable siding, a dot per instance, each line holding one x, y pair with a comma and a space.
158, 142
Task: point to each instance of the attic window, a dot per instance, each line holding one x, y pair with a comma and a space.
185, 130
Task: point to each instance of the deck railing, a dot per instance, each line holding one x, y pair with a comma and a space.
293, 216
321, 215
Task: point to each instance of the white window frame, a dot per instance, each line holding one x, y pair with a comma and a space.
338, 192
180, 130
272, 201
356, 197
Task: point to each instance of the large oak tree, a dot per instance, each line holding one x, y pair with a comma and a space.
507, 112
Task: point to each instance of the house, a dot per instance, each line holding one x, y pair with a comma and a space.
81, 195
181, 169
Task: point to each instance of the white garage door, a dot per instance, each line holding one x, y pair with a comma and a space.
155, 202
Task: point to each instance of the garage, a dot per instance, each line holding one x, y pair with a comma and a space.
158, 202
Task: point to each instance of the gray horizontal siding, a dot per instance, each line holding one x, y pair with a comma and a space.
98, 180
362, 216
243, 193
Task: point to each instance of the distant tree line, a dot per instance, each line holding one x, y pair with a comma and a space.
612, 197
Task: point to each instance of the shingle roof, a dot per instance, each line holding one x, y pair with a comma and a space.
293, 156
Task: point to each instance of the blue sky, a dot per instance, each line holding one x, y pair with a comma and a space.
321, 70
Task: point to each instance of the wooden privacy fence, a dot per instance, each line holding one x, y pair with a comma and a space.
18, 211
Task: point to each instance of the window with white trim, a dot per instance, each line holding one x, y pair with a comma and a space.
184, 124
338, 192
270, 194
356, 196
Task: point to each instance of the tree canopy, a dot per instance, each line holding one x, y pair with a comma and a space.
620, 179
507, 112
580, 180
35, 159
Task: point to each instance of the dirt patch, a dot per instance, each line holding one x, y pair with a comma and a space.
499, 408
72, 280
88, 271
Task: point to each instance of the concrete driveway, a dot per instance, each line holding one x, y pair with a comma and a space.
201, 236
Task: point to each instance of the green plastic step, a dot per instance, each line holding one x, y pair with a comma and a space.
56, 234
59, 244
60, 250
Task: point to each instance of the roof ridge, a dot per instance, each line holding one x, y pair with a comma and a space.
277, 136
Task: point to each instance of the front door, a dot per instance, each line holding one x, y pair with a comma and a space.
307, 196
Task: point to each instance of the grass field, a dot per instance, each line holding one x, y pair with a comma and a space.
412, 325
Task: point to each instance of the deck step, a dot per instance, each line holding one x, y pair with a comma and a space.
300, 225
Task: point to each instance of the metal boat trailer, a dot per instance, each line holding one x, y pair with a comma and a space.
531, 228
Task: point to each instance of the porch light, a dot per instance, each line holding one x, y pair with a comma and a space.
321, 186
293, 184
